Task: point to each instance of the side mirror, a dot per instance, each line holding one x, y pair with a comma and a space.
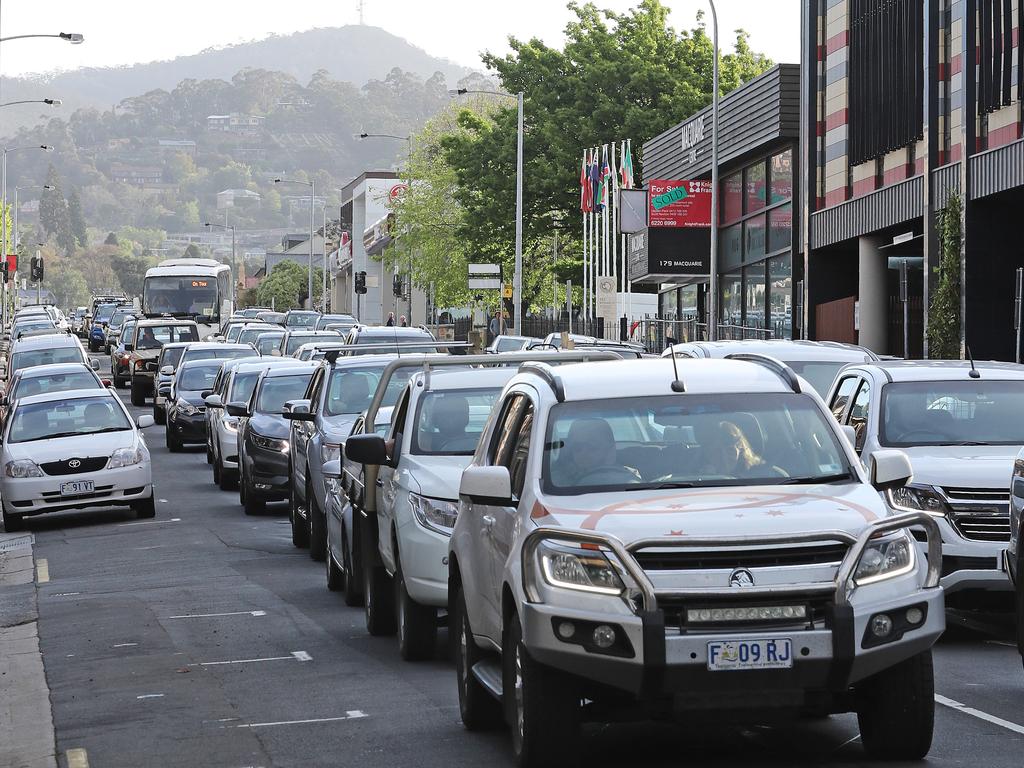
851, 434
164, 391
145, 421
367, 449
240, 410
890, 469
129, 347
167, 370
206, 393
213, 401
332, 468
94, 364
487, 485
107, 383
296, 406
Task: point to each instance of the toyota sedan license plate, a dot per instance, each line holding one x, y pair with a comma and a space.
76, 487
769, 653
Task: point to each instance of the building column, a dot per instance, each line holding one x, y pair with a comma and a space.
873, 294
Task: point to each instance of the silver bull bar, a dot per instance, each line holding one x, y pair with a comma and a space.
842, 587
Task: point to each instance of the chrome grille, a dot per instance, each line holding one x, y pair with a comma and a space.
688, 560
980, 514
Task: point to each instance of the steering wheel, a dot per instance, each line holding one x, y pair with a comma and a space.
919, 434
604, 471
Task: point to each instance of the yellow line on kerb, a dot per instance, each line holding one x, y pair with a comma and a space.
42, 571
77, 758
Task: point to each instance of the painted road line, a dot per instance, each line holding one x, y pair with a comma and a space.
77, 758
150, 522
215, 615
293, 656
42, 571
124, 645
979, 714
150, 696
354, 714
64, 594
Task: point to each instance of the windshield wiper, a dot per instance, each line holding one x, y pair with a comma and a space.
971, 442
820, 479
670, 484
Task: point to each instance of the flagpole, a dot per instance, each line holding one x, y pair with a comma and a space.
629, 283
615, 239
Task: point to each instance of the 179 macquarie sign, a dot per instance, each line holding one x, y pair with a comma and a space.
669, 252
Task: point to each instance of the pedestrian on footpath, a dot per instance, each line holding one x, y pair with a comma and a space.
403, 322
391, 319
494, 327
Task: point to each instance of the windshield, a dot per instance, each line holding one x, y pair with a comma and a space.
296, 340
249, 335
350, 391
196, 378
450, 423
219, 354
126, 331
30, 325
266, 343
278, 390
84, 416
233, 331
182, 295
103, 312
242, 386
509, 345
819, 374
970, 412
301, 320
324, 320
155, 336
48, 356
171, 356
692, 441
54, 382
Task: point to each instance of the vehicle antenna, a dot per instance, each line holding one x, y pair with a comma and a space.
974, 373
677, 384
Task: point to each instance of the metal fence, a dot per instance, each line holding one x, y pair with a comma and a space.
655, 332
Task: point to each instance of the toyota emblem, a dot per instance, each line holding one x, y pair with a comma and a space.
74, 463
741, 577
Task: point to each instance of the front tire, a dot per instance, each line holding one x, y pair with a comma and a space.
479, 710
353, 595
378, 599
13, 522
335, 578
417, 624
300, 529
145, 509
896, 710
139, 394
174, 445
1019, 599
159, 415
252, 504
317, 525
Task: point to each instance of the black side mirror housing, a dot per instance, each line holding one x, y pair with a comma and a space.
240, 410
367, 449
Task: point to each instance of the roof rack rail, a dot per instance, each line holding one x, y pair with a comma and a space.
773, 364
547, 373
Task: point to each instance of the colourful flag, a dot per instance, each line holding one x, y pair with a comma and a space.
606, 177
595, 182
585, 203
626, 167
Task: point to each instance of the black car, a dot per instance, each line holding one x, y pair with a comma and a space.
264, 458
186, 410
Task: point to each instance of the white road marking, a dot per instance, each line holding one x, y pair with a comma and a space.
354, 714
214, 615
64, 594
1001, 642
162, 501
979, 714
124, 645
77, 758
293, 656
150, 696
150, 522
42, 571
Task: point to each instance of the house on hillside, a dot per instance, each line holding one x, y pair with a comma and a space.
171, 146
296, 250
231, 198
235, 123
137, 175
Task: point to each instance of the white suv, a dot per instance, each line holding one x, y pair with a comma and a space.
960, 425
657, 543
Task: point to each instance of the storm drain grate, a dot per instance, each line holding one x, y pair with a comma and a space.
15, 542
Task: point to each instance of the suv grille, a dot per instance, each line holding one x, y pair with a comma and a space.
682, 560
818, 607
63, 467
980, 514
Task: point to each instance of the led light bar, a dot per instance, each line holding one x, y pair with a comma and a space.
745, 613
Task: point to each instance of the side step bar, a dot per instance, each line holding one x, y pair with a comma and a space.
488, 674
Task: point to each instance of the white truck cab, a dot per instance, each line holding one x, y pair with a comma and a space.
676, 538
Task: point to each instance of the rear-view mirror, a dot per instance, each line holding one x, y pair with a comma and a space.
332, 468
145, 421
851, 434
890, 469
213, 401
366, 449
167, 370
240, 410
94, 364
486, 485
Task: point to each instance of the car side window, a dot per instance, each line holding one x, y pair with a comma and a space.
314, 389
398, 422
858, 418
842, 397
505, 432
521, 451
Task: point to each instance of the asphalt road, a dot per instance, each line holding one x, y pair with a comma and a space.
203, 638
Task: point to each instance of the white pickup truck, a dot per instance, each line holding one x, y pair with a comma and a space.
677, 542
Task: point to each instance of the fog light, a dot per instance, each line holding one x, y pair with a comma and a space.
263, 486
566, 630
604, 636
915, 616
881, 625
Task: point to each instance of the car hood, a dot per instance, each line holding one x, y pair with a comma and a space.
767, 510
191, 396
337, 428
55, 449
963, 466
437, 476
269, 425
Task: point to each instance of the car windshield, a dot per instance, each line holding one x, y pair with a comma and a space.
54, 382
66, 418
47, 356
450, 423
249, 335
171, 356
266, 343
30, 326
969, 412
118, 319
693, 441
196, 378
278, 390
324, 320
233, 331
509, 345
214, 353
819, 373
242, 386
155, 336
296, 340
301, 319
103, 313
350, 391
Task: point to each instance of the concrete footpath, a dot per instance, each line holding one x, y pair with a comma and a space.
26, 721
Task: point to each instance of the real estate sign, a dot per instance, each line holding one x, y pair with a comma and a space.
679, 203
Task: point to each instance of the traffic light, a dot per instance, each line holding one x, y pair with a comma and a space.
36, 269
6, 268
360, 282
396, 286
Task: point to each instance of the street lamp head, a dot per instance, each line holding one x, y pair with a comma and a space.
75, 38
206, 224
52, 102
277, 181
364, 135
46, 148
49, 187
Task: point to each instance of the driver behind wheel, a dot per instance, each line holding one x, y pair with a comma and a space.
589, 454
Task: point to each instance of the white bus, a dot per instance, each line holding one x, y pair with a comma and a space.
194, 288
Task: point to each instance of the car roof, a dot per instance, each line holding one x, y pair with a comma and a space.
300, 366
213, 362
50, 340
321, 332
71, 394
946, 370
217, 345
651, 377
783, 349
176, 345
267, 363
387, 330
467, 378
162, 321
52, 369
362, 361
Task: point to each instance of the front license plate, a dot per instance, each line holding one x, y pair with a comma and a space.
769, 653
77, 487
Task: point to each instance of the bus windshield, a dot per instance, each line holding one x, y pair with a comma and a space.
182, 295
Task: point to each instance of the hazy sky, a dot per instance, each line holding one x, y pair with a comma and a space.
129, 31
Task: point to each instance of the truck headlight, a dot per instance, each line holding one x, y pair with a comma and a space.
885, 559
434, 514
124, 457
330, 452
917, 498
23, 468
579, 569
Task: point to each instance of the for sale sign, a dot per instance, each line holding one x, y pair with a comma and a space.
679, 203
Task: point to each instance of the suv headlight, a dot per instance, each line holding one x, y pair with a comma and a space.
330, 452
23, 468
916, 498
230, 423
124, 457
579, 569
270, 443
434, 514
886, 559
187, 409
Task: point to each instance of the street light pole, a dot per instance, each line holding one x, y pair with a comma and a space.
74, 38
713, 299
3, 208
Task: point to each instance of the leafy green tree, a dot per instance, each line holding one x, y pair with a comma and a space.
190, 214
944, 312
53, 209
285, 287
192, 252
130, 270
67, 283
111, 239
76, 219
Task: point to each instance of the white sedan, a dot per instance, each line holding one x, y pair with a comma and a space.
72, 450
